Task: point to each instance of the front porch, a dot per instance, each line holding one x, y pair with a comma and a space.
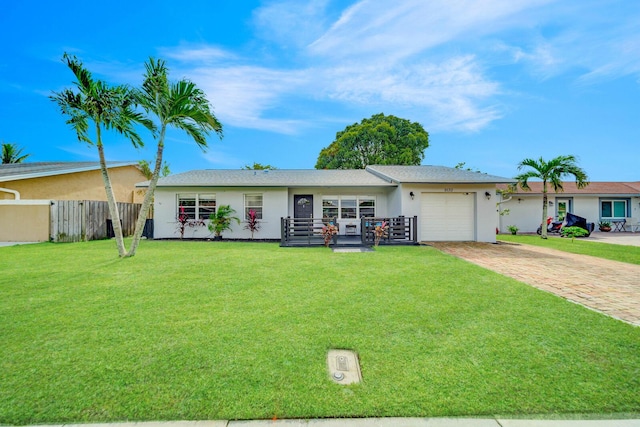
308, 232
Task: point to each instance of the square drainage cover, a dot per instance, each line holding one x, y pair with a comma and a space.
343, 366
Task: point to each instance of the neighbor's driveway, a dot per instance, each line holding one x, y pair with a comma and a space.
610, 287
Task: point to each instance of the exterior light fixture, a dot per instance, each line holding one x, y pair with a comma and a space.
487, 195
412, 195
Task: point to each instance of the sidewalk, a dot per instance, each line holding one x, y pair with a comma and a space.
378, 422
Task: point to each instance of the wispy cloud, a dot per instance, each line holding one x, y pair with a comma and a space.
427, 57
291, 22
197, 53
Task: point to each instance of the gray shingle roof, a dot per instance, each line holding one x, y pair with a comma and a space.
271, 178
426, 174
17, 171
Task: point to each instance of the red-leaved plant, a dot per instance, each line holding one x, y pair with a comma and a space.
184, 222
328, 231
380, 231
253, 223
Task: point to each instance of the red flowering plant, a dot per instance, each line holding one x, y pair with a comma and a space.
184, 221
381, 230
328, 231
253, 223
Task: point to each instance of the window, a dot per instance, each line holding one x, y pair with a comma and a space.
196, 205
253, 202
329, 208
613, 208
367, 207
348, 207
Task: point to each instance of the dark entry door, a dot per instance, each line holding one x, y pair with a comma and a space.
302, 206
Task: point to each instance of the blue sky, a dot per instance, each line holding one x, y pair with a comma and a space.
493, 82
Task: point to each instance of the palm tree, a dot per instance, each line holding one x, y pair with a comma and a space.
550, 172
11, 153
109, 108
181, 105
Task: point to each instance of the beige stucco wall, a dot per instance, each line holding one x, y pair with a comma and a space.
24, 223
79, 186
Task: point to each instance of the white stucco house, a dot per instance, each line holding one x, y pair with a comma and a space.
446, 204
599, 201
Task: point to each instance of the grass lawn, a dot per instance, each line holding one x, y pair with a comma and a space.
203, 330
624, 253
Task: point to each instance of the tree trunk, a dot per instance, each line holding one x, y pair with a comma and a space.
111, 199
148, 197
544, 210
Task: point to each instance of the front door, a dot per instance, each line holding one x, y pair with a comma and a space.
302, 206
562, 208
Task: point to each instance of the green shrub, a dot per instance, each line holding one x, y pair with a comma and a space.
574, 232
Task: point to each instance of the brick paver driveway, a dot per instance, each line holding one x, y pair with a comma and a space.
610, 287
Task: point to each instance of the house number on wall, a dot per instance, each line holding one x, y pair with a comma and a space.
448, 190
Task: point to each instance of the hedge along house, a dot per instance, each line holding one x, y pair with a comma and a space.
598, 201
447, 203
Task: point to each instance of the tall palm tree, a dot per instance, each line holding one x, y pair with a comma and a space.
181, 105
11, 153
109, 108
550, 172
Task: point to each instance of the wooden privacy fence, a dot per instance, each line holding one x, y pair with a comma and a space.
83, 220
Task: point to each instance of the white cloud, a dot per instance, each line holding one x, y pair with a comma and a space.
221, 159
242, 95
197, 54
291, 22
392, 30
428, 57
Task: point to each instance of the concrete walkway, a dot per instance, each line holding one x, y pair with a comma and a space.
610, 287
378, 422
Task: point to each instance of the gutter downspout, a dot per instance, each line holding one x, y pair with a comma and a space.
15, 193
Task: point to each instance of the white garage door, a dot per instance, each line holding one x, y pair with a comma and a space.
447, 217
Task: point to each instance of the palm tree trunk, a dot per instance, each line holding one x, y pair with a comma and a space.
148, 197
111, 199
544, 210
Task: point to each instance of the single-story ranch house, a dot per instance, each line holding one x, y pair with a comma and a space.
446, 203
598, 201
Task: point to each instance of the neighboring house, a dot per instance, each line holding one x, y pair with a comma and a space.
27, 190
599, 201
450, 204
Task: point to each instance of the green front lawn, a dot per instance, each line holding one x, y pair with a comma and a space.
202, 330
582, 246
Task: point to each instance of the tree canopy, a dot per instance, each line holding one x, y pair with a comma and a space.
12, 153
259, 166
379, 140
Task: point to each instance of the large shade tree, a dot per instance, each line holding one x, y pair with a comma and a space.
379, 140
12, 153
94, 107
181, 105
550, 172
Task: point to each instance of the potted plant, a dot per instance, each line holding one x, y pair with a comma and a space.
328, 232
221, 220
381, 230
513, 229
604, 226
